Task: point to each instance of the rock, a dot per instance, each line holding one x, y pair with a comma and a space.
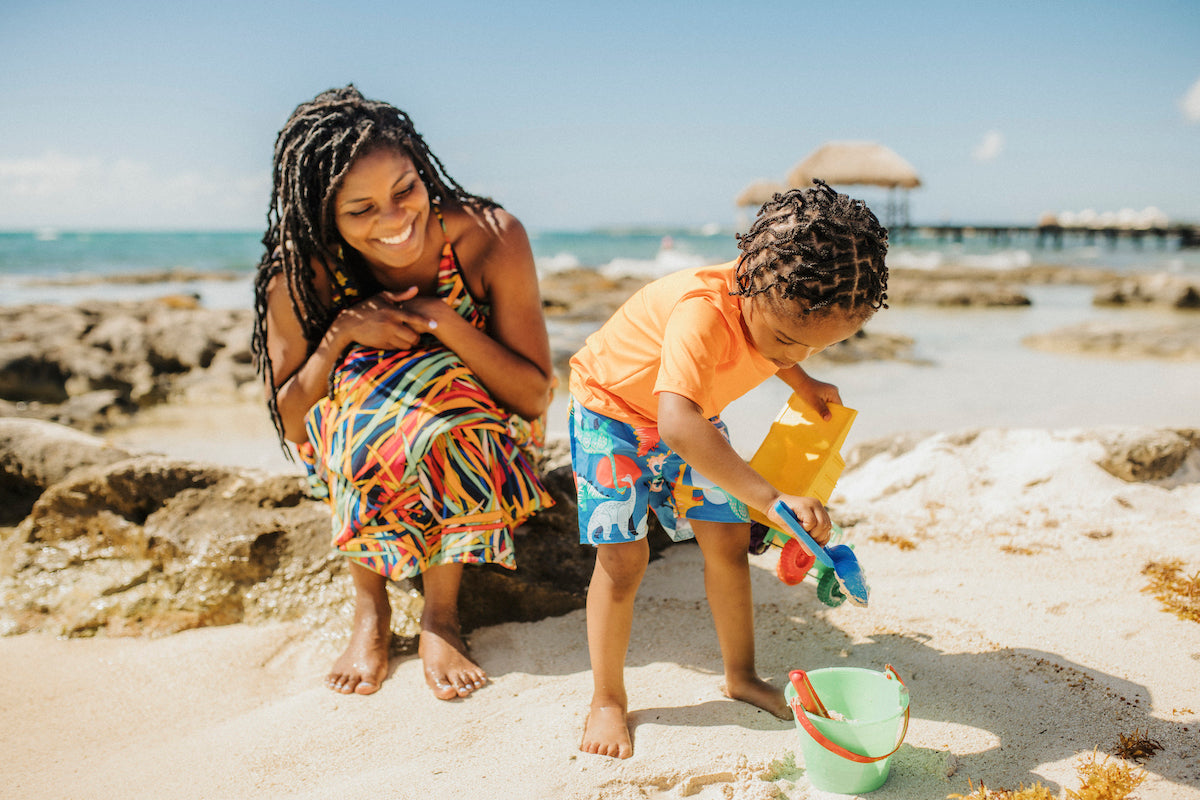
130, 544
585, 295
1137, 455
917, 287
25, 375
1169, 291
865, 346
1172, 341
119, 357
35, 455
1031, 275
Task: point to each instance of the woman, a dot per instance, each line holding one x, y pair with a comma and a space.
400, 336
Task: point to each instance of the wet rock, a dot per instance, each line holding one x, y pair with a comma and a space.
1136, 454
1164, 290
868, 346
93, 364
132, 544
953, 289
35, 455
584, 295
1116, 339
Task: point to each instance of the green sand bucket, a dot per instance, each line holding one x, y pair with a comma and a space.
850, 755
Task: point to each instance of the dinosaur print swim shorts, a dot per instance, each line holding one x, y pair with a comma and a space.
622, 471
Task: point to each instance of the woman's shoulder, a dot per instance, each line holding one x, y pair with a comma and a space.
481, 233
479, 223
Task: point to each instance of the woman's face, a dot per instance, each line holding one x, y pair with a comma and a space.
382, 209
786, 338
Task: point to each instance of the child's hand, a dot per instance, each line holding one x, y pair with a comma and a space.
811, 513
819, 394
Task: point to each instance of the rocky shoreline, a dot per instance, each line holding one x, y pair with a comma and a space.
96, 364
100, 538
95, 539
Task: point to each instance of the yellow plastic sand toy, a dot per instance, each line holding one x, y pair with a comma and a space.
801, 455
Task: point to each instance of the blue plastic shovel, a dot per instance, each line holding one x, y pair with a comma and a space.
840, 558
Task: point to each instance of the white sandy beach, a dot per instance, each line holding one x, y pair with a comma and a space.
1021, 629
1019, 621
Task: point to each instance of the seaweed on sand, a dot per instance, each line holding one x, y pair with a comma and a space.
1177, 592
1099, 780
1137, 746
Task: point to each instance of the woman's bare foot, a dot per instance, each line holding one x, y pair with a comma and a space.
362, 668
449, 671
758, 692
606, 732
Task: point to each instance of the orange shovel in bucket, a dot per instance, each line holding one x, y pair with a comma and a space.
806, 694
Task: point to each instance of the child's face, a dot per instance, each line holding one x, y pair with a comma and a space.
785, 337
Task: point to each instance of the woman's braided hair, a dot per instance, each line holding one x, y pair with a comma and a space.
817, 248
313, 152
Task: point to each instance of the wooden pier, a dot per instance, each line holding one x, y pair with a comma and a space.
1180, 235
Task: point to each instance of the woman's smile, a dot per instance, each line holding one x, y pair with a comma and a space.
383, 210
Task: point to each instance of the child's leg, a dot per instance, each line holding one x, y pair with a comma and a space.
727, 585
449, 671
363, 666
615, 580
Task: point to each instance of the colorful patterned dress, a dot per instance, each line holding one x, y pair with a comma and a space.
419, 464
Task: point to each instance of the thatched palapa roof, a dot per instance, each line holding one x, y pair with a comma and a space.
759, 192
851, 163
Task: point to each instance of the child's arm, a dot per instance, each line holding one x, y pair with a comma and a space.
684, 428
814, 392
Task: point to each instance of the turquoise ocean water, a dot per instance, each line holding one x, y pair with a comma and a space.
65, 266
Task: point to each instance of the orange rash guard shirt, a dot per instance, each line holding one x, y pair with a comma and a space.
682, 334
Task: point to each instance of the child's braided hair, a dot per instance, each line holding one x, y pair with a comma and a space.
313, 152
817, 248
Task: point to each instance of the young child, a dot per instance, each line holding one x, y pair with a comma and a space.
647, 391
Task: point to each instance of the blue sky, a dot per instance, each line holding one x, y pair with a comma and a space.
134, 115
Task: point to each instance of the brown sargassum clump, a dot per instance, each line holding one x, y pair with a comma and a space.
1099, 780
1137, 746
1178, 593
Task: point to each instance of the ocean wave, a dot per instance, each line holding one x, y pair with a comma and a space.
1005, 259
914, 260
559, 262
664, 263
931, 260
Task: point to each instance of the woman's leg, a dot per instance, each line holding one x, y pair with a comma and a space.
449, 671
727, 585
363, 666
615, 580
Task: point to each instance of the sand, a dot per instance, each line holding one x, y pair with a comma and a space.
1019, 621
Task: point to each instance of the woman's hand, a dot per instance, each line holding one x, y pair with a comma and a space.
388, 320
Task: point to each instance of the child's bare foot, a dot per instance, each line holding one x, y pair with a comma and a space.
449, 672
606, 732
758, 692
361, 669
